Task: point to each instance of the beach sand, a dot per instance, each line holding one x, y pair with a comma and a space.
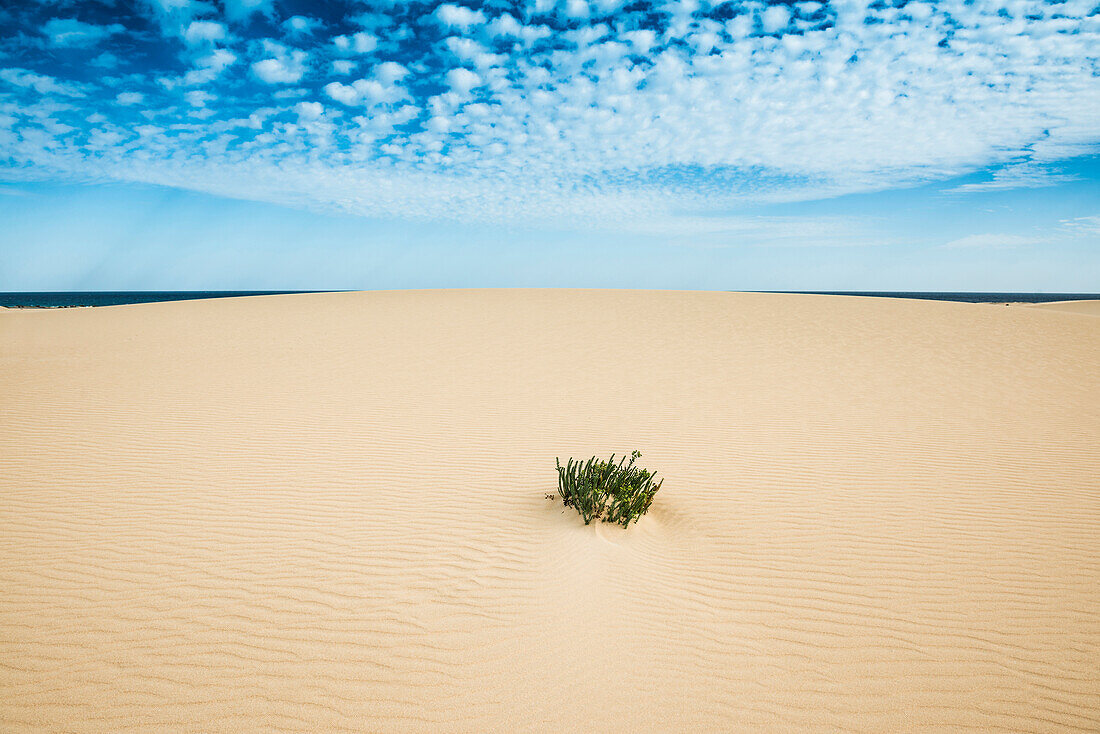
326, 513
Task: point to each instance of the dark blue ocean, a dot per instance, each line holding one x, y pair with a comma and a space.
67, 299
962, 297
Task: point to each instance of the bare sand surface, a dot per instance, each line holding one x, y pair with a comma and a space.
325, 513
1088, 308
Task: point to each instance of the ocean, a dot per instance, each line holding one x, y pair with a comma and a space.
68, 299
963, 297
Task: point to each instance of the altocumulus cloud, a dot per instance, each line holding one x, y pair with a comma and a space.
71, 32
587, 113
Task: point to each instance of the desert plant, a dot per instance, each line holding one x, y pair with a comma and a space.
604, 490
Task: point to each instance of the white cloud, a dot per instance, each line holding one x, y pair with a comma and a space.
130, 98
307, 111
209, 67
775, 18
458, 16
506, 26
291, 93
462, 80
203, 31
389, 72
617, 115
105, 60
287, 69
367, 91
219, 59
343, 67
175, 15
577, 8
39, 82
606, 7
641, 41
466, 49
198, 97
1019, 176
1081, 226
343, 93
992, 241
357, 43
300, 25
239, 10
73, 33
101, 138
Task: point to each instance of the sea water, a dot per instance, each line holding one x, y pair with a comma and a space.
65, 299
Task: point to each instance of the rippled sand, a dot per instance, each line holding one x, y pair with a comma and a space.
326, 512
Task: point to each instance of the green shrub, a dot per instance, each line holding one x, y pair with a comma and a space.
607, 491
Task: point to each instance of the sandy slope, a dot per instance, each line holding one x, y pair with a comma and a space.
326, 513
1090, 308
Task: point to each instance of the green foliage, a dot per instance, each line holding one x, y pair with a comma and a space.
604, 490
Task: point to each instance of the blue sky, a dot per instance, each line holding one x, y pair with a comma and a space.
180, 144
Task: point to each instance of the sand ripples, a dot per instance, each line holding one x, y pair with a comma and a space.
326, 513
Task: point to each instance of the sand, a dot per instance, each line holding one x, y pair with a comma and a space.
326, 513
1090, 308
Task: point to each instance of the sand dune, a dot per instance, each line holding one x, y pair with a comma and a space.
1089, 308
325, 513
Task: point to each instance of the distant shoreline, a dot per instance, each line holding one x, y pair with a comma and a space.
82, 299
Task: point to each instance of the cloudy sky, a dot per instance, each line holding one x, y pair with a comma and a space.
898, 145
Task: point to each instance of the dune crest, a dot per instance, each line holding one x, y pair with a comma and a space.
326, 512
1089, 308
